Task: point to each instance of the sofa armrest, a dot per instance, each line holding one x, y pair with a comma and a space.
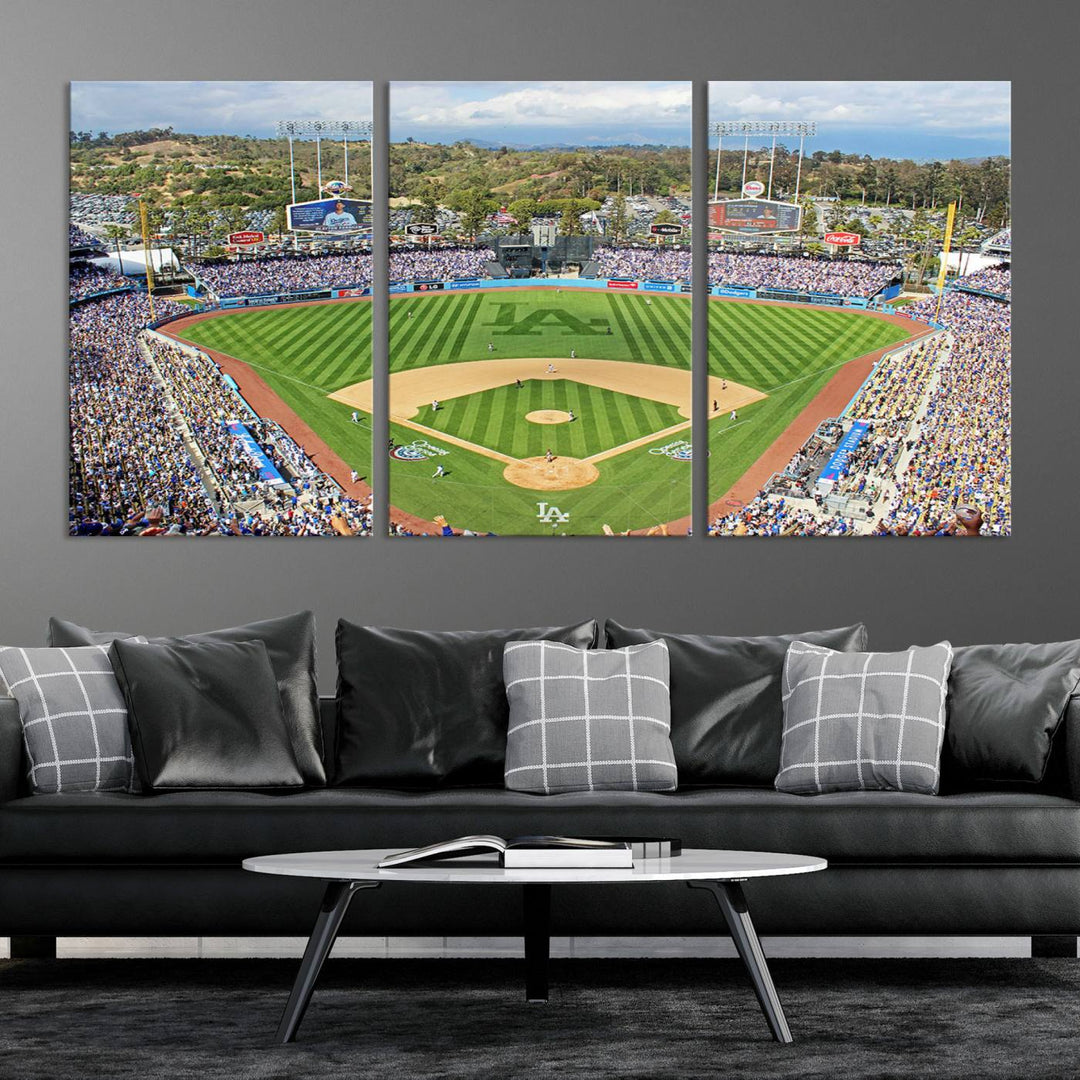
1072, 744
11, 749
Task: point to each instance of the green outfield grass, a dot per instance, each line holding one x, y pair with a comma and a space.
788, 352
448, 327
604, 418
304, 353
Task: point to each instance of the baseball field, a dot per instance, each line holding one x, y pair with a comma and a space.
615, 416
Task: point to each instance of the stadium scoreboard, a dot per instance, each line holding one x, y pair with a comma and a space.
330, 217
754, 217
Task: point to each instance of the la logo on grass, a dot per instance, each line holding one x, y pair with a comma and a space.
544, 320
551, 515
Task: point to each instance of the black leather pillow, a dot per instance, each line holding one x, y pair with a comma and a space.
1005, 704
428, 709
290, 645
726, 710
205, 715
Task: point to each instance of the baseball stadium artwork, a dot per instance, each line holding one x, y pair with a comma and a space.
540, 303
860, 286
220, 294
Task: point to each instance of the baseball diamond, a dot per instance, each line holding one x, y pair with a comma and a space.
628, 388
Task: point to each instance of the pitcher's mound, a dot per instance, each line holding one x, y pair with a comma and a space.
562, 474
548, 416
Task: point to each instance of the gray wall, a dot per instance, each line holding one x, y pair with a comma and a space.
1015, 589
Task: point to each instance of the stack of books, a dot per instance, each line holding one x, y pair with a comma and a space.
543, 852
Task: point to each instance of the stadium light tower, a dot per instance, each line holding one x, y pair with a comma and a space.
360, 130
757, 128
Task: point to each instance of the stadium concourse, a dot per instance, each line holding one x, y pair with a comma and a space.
935, 435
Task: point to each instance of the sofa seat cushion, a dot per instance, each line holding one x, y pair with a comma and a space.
226, 826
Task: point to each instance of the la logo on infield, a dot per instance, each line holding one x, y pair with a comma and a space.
551, 515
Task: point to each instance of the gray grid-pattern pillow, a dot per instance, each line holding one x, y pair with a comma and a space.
587, 719
74, 719
863, 721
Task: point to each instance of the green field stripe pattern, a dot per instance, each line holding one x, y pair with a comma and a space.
304, 353
444, 328
326, 345
791, 353
496, 418
767, 347
636, 489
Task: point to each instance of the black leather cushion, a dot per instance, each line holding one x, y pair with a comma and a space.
205, 715
290, 644
1005, 704
427, 709
227, 826
726, 709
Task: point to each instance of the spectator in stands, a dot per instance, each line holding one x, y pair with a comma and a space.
151, 451
440, 264
282, 274
939, 438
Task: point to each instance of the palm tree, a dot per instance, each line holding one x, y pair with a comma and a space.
117, 233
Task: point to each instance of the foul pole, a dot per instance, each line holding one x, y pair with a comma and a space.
950, 220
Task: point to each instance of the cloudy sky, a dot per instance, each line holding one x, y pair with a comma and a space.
524, 113
213, 108
920, 120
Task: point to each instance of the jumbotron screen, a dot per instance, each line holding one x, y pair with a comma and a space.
754, 216
331, 217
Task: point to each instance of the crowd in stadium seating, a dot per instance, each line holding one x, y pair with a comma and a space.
961, 455
131, 472
311, 504
994, 279
81, 238
85, 280
778, 517
750, 270
438, 264
673, 264
941, 412
844, 278
292, 274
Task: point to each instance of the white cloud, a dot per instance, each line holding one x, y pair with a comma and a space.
563, 105
954, 108
228, 108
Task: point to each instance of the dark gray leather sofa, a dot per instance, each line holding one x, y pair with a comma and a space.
994, 862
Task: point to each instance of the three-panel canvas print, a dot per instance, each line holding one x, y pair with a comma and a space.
539, 278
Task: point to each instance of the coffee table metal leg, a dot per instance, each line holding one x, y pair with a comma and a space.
334, 905
537, 905
732, 903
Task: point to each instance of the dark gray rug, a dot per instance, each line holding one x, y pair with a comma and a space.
207, 1019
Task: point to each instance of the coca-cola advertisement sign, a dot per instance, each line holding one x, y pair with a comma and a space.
842, 239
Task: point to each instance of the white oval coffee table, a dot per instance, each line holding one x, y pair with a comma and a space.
347, 872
